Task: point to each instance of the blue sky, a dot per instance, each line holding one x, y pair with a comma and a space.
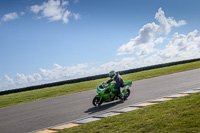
45, 41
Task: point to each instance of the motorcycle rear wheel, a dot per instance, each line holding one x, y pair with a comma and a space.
127, 95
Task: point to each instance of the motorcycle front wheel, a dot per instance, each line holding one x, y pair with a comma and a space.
97, 101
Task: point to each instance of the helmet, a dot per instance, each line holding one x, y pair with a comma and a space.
112, 74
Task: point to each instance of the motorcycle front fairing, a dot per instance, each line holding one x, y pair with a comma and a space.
104, 93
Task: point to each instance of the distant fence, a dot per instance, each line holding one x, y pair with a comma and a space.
96, 77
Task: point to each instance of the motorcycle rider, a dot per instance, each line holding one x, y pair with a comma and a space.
119, 83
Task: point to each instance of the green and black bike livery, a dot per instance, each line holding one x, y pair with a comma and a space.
106, 95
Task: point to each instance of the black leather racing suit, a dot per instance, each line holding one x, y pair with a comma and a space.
119, 83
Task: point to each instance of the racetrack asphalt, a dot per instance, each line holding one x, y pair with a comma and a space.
41, 114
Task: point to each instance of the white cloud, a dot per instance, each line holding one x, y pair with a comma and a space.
66, 16
76, 1
37, 77
10, 16
159, 40
122, 64
36, 8
54, 10
64, 3
166, 23
8, 79
60, 72
22, 13
21, 79
147, 35
77, 16
6, 82
182, 47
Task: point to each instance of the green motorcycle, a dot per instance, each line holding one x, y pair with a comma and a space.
105, 93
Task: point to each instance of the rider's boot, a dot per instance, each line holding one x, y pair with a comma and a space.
121, 94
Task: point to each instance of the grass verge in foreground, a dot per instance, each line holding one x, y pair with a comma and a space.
33, 95
178, 115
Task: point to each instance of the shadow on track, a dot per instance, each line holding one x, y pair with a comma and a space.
102, 107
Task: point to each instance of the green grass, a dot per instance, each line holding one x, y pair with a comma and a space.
180, 115
28, 96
